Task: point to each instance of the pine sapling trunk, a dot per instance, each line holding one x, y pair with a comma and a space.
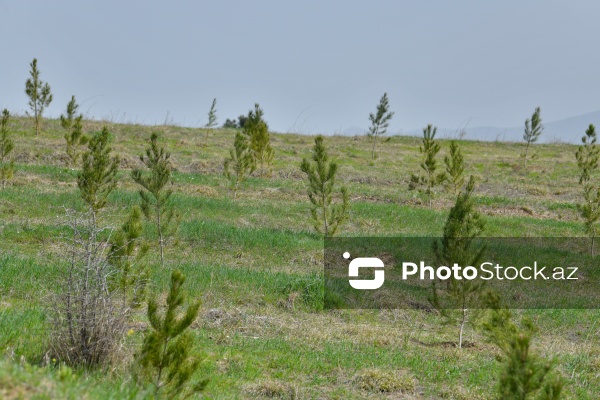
525, 159
36, 117
429, 195
261, 166
429, 187
325, 232
373, 152
235, 189
160, 236
462, 326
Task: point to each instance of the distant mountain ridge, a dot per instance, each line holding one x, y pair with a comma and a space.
567, 130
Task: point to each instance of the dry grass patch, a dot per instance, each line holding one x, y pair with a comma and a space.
376, 380
273, 389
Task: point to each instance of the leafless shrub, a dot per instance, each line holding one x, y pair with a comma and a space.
88, 319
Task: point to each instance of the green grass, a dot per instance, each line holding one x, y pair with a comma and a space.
256, 262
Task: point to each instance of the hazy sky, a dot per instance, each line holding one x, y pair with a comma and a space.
314, 66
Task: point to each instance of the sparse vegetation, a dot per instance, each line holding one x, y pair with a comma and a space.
256, 267
138, 277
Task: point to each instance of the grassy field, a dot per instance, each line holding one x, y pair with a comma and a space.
256, 265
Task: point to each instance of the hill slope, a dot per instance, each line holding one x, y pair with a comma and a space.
256, 262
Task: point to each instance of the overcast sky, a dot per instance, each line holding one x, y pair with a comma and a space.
314, 66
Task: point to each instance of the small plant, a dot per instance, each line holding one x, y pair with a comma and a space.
429, 149
523, 375
87, 318
463, 226
587, 160
533, 130
240, 163
166, 358
587, 155
454, 179
212, 117
380, 121
321, 181
74, 127
126, 254
156, 198
7, 167
98, 176
39, 94
257, 131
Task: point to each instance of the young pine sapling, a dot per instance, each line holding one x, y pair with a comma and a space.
74, 127
240, 163
454, 178
458, 245
166, 358
212, 117
587, 160
380, 121
39, 94
533, 130
257, 131
126, 253
156, 198
523, 375
321, 173
98, 176
429, 149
